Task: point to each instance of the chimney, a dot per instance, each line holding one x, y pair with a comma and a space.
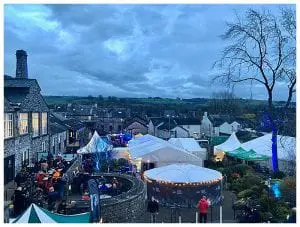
21, 69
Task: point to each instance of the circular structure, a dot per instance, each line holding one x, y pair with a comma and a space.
183, 184
125, 207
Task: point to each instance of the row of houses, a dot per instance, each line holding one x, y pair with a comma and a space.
191, 127
31, 131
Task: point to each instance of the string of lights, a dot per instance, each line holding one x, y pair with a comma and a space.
182, 184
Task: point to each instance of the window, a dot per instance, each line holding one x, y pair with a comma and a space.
25, 158
23, 123
43, 146
8, 125
35, 124
59, 143
44, 123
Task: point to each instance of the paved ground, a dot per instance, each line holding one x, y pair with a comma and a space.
188, 215
167, 215
9, 189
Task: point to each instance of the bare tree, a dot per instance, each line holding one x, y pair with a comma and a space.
224, 102
263, 51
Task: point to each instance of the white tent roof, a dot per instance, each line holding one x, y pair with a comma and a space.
188, 144
286, 146
183, 173
96, 144
120, 152
155, 149
41, 215
230, 144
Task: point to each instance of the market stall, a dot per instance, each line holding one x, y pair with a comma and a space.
35, 214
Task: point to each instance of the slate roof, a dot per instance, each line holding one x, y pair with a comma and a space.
16, 94
158, 120
136, 119
55, 128
165, 125
188, 121
20, 82
24, 94
73, 123
56, 125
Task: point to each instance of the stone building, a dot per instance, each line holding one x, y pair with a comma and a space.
136, 125
58, 136
25, 120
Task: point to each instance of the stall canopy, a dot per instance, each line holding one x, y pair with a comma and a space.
190, 145
183, 173
286, 146
120, 152
237, 152
96, 144
247, 155
35, 214
152, 149
230, 144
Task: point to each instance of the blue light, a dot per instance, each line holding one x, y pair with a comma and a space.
276, 189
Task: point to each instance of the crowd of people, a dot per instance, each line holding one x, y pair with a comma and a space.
42, 184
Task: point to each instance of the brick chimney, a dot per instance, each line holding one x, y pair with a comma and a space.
21, 69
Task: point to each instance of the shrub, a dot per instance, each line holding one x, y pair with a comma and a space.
245, 194
278, 175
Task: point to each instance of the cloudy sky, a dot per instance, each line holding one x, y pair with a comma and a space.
123, 50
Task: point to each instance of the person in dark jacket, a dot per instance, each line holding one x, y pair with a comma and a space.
203, 207
19, 202
52, 197
18, 179
153, 208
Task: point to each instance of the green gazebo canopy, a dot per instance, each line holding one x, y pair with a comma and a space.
250, 155
36, 214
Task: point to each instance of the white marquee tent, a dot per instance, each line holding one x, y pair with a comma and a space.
96, 144
191, 146
286, 149
183, 173
230, 144
149, 148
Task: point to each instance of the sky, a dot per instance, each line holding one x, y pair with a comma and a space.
124, 50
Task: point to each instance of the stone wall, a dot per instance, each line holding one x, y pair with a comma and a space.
61, 148
128, 206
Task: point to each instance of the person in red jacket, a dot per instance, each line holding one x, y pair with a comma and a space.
202, 207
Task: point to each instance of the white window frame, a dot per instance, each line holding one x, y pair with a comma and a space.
44, 123
25, 157
23, 123
34, 132
8, 125
43, 146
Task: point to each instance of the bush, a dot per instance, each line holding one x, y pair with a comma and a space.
245, 194
278, 175
288, 188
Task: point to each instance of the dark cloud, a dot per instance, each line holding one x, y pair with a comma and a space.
121, 50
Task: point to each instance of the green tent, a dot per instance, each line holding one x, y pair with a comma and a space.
237, 152
250, 155
253, 156
216, 140
35, 214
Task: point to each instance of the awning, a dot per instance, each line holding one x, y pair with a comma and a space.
237, 152
35, 214
250, 155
